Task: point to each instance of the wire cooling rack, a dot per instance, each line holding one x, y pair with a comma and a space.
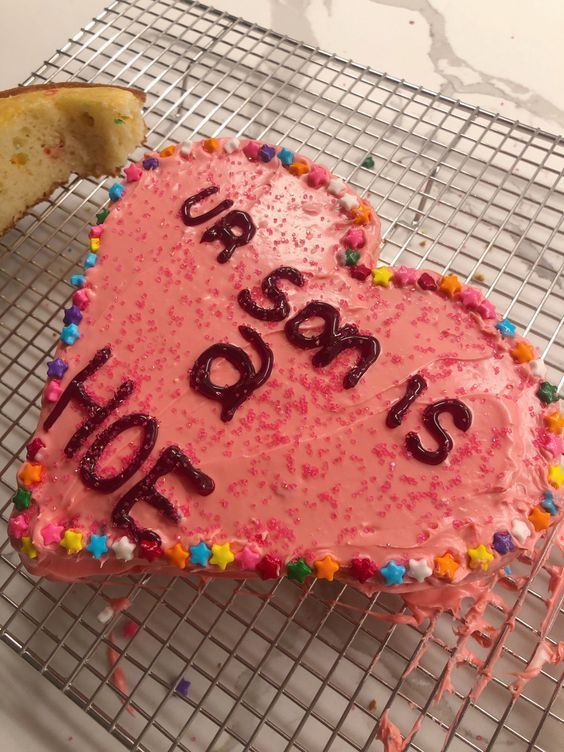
271, 667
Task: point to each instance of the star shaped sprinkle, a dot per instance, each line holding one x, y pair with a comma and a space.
479, 557
538, 368
72, 315
419, 569
52, 391
247, 558
523, 352
555, 476
266, 153
90, 261
28, 548
123, 548
362, 568
450, 285
405, 277
150, 550
336, 187
132, 173
354, 238
502, 542
22, 499
200, 554
427, 282
548, 504
57, 368
382, 276
367, 162
95, 245
177, 555
470, 297
298, 570
30, 473
96, 231
326, 568
362, 215
98, 545
210, 145
520, 531
186, 149
231, 145
81, 298
298, 168
553, 444
182, 687
360, 272
34, 447
486, 309
554, 422
317, 176
348, 202
52, 533
351, 257
70, 334
72, 541
286, 156
393, 573
251, 150
547, 393
149, 163
169, 150
446, 566
117, 190
269, 567
222, 555
101, 216
18, 525
540, 518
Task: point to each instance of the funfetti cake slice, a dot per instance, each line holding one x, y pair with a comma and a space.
240, 391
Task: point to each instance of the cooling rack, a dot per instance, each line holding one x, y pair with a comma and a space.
273, 667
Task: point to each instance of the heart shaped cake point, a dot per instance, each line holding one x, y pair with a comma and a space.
240, 390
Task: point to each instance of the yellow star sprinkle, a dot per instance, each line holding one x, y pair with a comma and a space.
540, 518
555, 476
554, 422
446, 566
523, 352
326, 568
28, 548
362, 214
29, 474
382, 276
72, 541
450, 284
94, 245
479, 557
222, 555
177, 555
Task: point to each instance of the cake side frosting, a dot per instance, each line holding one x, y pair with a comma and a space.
380, 425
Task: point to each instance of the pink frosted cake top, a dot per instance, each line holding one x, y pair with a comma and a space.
239, 389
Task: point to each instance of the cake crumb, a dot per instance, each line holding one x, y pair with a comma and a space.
478, 277
372, 705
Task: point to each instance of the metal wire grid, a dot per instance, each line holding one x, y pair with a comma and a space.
273, 667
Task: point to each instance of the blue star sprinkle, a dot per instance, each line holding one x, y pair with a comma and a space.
70, 334
200, 554
506, 328
90, 261
548, 504
116, 192
393, 573
286, 156
182, 687
72, 315
98, 545
57, 368
78, 280
507, 570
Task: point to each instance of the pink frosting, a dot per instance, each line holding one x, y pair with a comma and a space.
306, 467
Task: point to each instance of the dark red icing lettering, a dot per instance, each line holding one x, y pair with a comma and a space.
89, 462
172, 459
270, 289
96, 413
222, 230
186, 210
462, 418
232, 396
333, 340
415, 385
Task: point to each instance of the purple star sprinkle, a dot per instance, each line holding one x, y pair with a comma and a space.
503, 542
57, 368
182, 687
151, 163
72, 315
266, 153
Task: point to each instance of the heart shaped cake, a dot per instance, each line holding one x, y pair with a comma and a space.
240, 391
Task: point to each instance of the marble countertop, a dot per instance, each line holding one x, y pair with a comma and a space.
505, 56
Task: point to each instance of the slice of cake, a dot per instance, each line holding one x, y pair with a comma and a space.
49, 132
239, 390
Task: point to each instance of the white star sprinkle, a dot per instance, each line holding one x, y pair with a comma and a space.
123, 548
538, 368
231, 145
186, 149
419, 569
105, 615
336, 187
520, 531
349, 202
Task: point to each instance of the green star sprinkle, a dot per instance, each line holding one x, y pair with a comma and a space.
351, 257
298, 570
101, 216
368, 162
547, 393
119, 121
21, 499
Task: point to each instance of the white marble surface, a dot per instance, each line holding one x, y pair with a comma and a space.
505, 55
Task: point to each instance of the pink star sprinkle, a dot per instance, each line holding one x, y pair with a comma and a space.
132, 173
52, 533
404, 276
486, 309
552, 443
247, 558
317, 176
81, 298
355, 238
53, 391
18, 525
470, 297
96, 231
251, 150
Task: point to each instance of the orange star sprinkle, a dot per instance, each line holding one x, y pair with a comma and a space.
177, 555
450, 284
211, 145
30, 473
167, 151
540, 518
362, 214
446, 566
523, 352
298, 168
326, 568
554, 422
